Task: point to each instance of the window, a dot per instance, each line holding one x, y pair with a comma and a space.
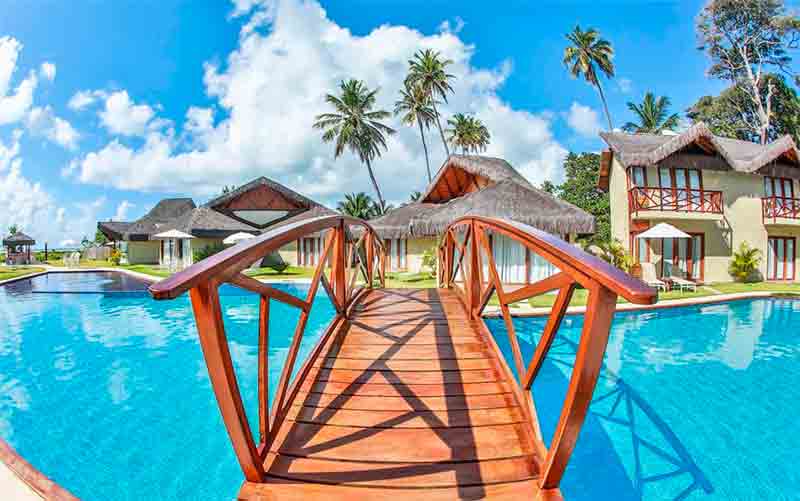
780, 187
684, 257
780, 258
637, 177
686, 186
639, 248
397, 253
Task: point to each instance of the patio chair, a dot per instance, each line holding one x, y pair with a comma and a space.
650, 278
683, 284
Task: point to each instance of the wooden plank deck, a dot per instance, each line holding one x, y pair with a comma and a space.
408, 401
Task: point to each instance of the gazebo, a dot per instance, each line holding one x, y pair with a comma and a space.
18, 248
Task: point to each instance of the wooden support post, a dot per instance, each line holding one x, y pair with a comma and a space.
208, 315
263, 370
549, 334
370, 243
588, 361
338, 266
474, 279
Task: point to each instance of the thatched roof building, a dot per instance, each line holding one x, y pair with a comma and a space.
698, 148
250, 208
18, 238
482, 186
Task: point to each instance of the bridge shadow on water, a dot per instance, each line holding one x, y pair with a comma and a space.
626, 451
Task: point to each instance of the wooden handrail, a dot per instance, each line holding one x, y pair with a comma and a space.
603, 282
203, 279
674, 199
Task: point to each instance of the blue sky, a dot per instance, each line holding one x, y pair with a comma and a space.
114, 105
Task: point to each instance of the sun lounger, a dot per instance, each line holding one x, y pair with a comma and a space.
649, 277
684, 284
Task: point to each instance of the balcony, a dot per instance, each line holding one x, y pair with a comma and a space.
652, 201
780, 210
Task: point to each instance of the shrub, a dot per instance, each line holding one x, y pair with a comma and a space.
115, 257
612, 252
207, 251
274, 261
745, 263
429, 259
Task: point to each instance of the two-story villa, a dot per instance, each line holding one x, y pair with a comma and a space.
720, 191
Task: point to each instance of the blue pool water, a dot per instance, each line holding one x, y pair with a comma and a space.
693, 403
105, 390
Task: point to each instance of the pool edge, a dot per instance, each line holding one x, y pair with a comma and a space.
625, 307
31, 477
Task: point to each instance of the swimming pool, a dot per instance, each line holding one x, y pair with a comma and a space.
694, 402
106, 392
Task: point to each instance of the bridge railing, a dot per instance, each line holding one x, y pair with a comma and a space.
467, 265
351, 251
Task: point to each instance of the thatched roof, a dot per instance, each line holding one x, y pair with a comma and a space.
508, 200
19, 238
165, 212
205, 222
508, 195
317, 211
741, 156
396, 223
262, 181
491, 168
114, 230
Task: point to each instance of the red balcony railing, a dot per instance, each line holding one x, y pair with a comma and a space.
775, 207
674, 199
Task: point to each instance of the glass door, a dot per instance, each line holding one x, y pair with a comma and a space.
780, 258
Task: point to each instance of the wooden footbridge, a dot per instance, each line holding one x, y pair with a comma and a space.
406, 395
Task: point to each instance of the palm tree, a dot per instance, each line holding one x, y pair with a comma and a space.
13, 229
381, 208
429, 71
355, 125
415, 196
415, 107
588, 54
652, 115
356, 205
468, 133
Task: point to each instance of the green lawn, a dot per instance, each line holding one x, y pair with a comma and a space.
410, 280
290, 272
8, 272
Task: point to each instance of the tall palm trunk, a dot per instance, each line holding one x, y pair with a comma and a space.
605, 105
374, 181
425, 147
439, 125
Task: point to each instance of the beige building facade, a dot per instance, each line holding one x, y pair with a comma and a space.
720, 191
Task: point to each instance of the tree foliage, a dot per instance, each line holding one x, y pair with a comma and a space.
356, 205
355, 125
428, 71
414, 107
13, 229
746, 40
468, 133
732, 112
581, 171
653, 116
586, 57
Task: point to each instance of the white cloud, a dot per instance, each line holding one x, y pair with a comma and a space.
13, 106
625, 85
84, 98
455, 27
48, 71
122, 211
27, 204
43, 122
121, 116
272, 86
584, 120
